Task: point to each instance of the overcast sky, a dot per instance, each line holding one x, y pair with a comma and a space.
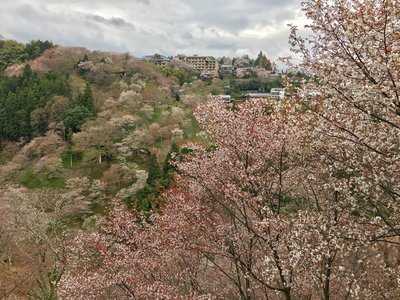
212, 27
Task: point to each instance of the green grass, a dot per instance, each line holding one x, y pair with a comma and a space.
71, 159
33, 180
154, 117
193, 128
156, 114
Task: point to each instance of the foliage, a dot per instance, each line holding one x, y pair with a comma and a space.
81, 109
239, 87
75, 117
182, 75
296, 200
70, 158
12, 52
157, 181
22, 97
263, 62
113, 143
32, 229
168, 168
34, 180
47, 287
192, 128
36, 48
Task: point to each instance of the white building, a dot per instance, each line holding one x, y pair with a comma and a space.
278, 93
250, 96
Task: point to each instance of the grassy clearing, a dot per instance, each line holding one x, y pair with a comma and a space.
33, 180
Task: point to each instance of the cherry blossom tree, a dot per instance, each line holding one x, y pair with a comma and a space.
353, 60
270, 227
291, 200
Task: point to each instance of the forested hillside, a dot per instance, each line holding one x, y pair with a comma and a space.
12, 52
78, 128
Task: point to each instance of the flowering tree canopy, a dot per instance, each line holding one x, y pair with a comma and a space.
291, 200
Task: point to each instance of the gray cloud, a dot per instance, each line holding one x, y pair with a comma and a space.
113, 21
144, 1
213, 27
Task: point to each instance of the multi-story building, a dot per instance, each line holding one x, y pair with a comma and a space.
202, 64
278, 93
226, 70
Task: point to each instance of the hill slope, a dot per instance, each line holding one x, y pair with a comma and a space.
108, 132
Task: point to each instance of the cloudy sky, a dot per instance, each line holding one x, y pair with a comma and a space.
212, 27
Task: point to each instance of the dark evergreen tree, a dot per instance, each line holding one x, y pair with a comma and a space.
23, 102
263, 62
74, 118
35, 48
168, 168
154, 171
86, 99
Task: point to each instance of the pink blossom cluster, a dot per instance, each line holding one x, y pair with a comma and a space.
296, 200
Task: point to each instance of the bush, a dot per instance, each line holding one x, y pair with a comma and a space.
74, 118
71, 157
36, 48
33, 180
